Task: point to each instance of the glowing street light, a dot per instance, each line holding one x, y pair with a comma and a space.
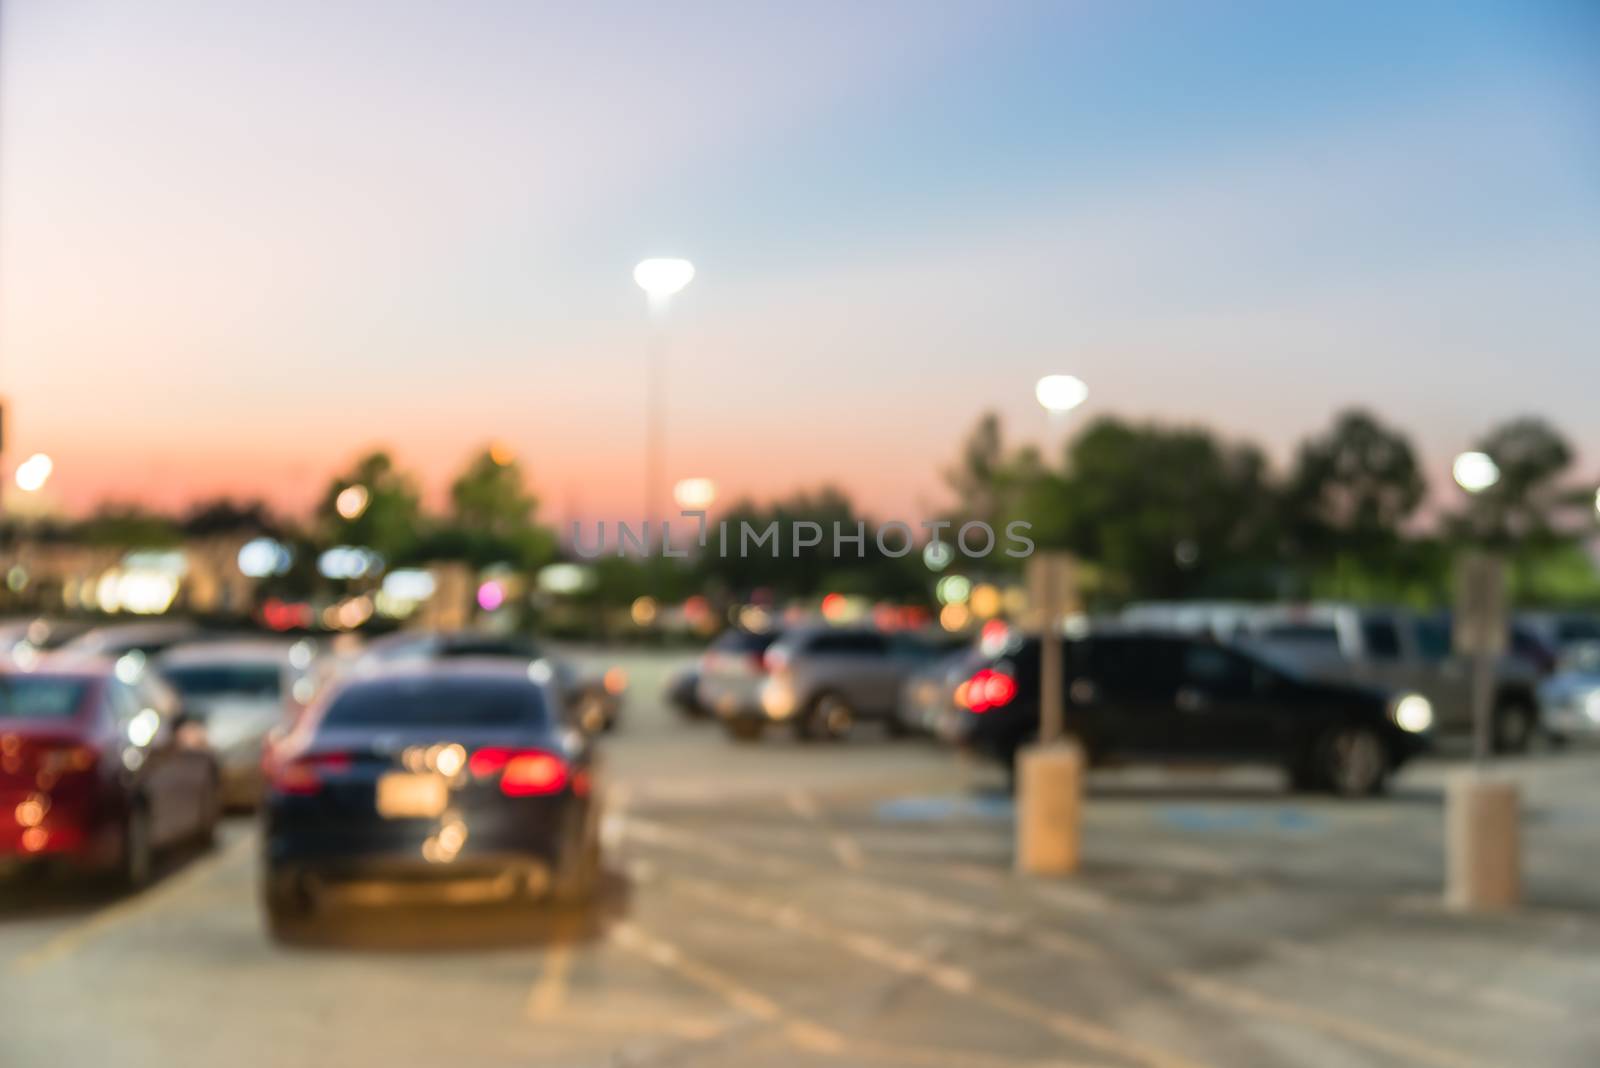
663, 278
34, 472
694, 494
1060, 393
1475, 471
352, 501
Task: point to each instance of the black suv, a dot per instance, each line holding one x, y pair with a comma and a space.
1173, 698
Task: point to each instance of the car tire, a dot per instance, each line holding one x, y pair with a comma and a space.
579, 878
287, 908
136, 866
205, 834
1353, 761
1514, 723
828, 716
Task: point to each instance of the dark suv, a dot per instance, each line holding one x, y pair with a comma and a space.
1171, 698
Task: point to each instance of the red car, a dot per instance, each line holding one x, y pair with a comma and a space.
99, 769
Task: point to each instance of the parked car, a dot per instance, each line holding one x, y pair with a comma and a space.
1143, 696
22, 641
98, 769
1569, 700
1401, 650
593, 702
682, 692
117, 639
453, 779
240, 691
1556, 631
730, 674
823, 680
928, 695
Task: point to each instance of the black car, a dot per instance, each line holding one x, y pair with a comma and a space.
594, 702
450, 780
1172, 698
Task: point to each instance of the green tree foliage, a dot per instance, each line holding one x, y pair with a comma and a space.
1164, 511
735, 569
1524, 506
491, 518
390, 521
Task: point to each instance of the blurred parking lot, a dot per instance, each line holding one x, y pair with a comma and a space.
795, 905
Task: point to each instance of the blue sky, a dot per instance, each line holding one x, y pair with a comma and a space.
335, 225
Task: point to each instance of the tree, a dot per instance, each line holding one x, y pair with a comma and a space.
1166, 511
1353, 487
388, 513
1524, 503
491, 517
978, 476
222, 515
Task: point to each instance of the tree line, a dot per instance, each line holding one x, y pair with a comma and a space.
1152, 510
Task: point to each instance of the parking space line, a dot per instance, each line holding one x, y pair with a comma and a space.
845, 848
1077, 900
66, 942
946, 910
1357, 1032
804, 1033
946, 977
1425, 981
549, 991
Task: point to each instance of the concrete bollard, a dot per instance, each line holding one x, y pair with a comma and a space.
1483, 860
1049, 808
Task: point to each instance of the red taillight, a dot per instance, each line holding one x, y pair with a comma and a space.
773, 660
989, 689
303, 775
523, 772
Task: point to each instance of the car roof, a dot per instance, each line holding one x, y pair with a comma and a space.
460, 667
248, 650
86, 668
114, 633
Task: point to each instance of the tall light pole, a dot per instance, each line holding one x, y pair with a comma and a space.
661, 280
1483, 865
1058, 395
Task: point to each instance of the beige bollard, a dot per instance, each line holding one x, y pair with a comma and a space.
1049, 808
1483, 861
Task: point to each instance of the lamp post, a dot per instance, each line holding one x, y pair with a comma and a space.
1483, 865
661, 280
1049, 775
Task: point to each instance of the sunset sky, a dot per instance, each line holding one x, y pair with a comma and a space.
241, 242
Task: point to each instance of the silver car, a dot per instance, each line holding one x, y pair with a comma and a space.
730, 675
241, 691
822, 680
1569, 700
1401, 651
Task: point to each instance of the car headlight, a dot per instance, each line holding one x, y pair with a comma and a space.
777, 701
1412, 712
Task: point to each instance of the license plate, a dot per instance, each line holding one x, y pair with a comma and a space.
403, 796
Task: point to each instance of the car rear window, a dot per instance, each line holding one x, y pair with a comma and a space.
226, 680
743, 641
1309, 635
439, 702
40, 697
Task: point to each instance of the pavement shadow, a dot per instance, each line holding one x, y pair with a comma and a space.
461, 928
38, 891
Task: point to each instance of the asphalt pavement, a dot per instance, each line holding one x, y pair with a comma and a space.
793, 905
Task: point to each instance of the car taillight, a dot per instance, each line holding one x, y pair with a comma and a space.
773, 660
988, 689
523, 772
303, 775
